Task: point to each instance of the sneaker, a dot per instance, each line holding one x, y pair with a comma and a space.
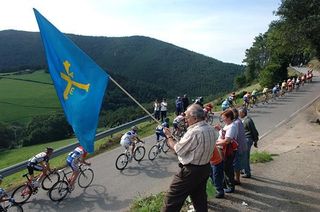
220, 195
229, 190
247, 176
130, 158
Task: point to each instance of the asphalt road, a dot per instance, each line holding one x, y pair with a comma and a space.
113, 190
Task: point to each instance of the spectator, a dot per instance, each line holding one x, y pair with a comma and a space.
241, 153
163, 109
179, 106
252, 136
156, 106
226, 137
185, 102
194, 151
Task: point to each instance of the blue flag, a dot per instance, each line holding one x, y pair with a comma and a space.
79, 82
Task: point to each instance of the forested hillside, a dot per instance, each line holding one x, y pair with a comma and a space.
141, 60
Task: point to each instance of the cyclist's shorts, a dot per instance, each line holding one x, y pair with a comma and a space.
32, 166
125, 143
73, 165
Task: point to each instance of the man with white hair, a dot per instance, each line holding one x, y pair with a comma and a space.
194, 151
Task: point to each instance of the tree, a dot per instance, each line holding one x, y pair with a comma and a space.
6, 136
302, 18
269, 75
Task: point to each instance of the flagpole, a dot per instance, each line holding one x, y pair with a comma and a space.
145, 110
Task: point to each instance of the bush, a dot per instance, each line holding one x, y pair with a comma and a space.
44, 129
6, 136
269, 75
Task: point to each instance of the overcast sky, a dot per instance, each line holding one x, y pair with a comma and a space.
222, 29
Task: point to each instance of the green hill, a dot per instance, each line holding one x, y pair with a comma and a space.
142, 60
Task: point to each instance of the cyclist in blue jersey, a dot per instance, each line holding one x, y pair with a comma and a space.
75, 157
225, 104
159, 129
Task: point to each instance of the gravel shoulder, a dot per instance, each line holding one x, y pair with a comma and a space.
291, 182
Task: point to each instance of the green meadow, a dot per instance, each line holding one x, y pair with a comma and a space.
27, 95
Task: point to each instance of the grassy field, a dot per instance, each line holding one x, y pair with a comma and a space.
27, 95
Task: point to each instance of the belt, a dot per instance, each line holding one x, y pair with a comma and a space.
191, 165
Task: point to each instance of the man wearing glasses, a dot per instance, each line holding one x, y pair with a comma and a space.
194, 151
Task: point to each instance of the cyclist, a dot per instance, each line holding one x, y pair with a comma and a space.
208, 111
225, 104
3, 194
129, 139
179, 124
246, 100
254, 97
159, 129
265, 95
77, 155
39, 162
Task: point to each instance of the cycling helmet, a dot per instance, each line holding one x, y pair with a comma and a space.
49, 149
1, 178
134, 128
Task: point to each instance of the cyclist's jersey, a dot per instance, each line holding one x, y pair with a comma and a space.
225, 104
265, 90
246, 98
76, 154
178, 119
159, 128
284, 84
3, 193
130, 136
254, 93
42, 156
274, 90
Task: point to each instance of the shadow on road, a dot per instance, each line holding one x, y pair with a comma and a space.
93, 198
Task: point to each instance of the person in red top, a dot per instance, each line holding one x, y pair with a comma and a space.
217, 174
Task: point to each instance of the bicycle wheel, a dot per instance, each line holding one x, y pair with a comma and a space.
22, 194
121, 161
85, 178
13, 207
153, 152
139, 153
49, 180
165, 148
59, 191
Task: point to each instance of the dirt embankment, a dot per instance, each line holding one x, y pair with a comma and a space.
291, 182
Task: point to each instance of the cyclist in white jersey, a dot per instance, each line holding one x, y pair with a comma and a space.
39, 162
75, 157
130, 138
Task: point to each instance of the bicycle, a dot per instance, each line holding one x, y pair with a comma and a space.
157, 148
22, 193
125, 157
11, 206
61, 188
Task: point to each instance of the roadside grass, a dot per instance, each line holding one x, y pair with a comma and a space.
153, 203
260, 157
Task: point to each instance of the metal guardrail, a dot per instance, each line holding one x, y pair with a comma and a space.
21, 166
